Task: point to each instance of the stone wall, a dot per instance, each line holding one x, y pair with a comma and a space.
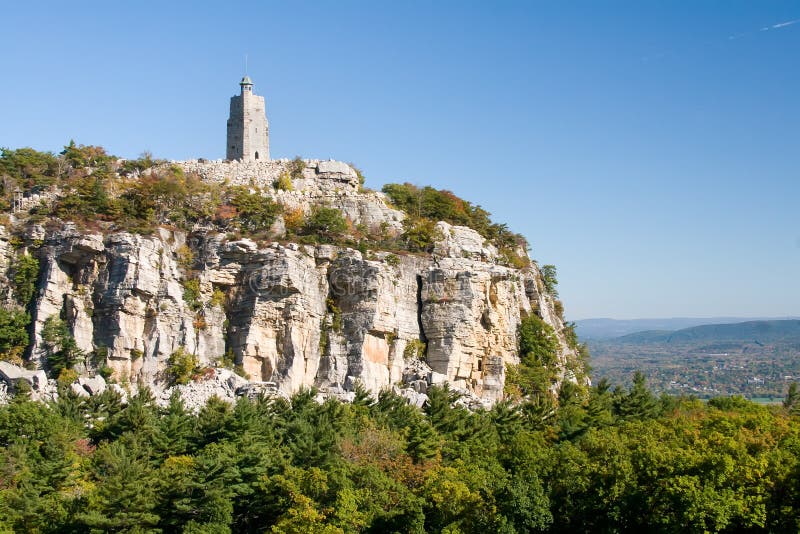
323, 183
318, 175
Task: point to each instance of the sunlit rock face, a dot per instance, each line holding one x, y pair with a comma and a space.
282, 313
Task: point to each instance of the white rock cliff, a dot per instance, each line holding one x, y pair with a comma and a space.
292, 315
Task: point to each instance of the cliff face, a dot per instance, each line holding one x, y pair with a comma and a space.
290, 314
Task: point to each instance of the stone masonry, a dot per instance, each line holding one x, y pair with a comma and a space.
248, 129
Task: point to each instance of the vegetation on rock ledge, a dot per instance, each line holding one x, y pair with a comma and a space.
427, 205
100, 192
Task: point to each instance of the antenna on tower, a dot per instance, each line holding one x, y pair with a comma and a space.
245, 64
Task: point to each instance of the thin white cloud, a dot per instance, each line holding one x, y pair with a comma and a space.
784, 24
736, 36
779, 25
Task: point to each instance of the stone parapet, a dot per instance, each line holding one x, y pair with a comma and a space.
319, 176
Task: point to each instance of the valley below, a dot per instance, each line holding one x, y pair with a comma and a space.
754, 359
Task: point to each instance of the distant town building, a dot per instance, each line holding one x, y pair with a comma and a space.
248, 129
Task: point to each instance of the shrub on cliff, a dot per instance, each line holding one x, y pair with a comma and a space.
255, 212
85, 197
439, 205
181, 365
61, 350
86, 156
283, 182
13, 334
90, 190
296, 168
326, 224
415, 348
143, 162
429, 204
538, 344
361, 179
170, 196
191, 294
418, 235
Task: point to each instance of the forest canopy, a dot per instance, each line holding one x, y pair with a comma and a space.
604, 460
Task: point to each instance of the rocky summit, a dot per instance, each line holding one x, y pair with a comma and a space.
285, 312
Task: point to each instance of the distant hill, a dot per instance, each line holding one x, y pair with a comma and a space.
762, 332
612, 328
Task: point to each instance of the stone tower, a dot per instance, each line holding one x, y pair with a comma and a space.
248, 129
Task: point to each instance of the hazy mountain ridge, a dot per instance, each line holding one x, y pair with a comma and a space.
606, 328
748, 331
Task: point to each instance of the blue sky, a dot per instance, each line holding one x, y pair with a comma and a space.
650, 150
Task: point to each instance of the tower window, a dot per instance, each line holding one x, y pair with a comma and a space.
256, 155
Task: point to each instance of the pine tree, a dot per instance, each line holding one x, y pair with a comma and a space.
571, 415
599, 409
213, 422
639, 403
124, 496
140, 417
363, 396
506, 419
60, 347
538, 411
422, 441
393, 410
440, 411
175, 428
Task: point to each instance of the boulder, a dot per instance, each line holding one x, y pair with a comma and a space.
94, 385
12, 374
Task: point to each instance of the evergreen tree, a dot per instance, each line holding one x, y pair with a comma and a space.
124, 494
571, 415
300, 466
538, 412
393, 411
440, 411
422, 441
639, 403
175, 428
13, 334
599, 409
214, 422
140, 417
506, 419
60, 347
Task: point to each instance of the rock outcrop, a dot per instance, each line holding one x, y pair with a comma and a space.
287, 315
321, 182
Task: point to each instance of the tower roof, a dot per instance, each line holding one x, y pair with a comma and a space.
246, 81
